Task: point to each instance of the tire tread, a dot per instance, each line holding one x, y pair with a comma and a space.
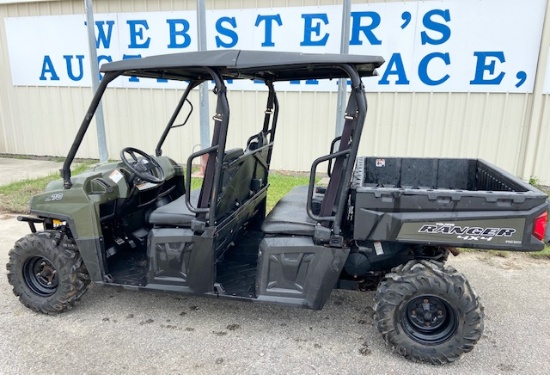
419, 277
61, 250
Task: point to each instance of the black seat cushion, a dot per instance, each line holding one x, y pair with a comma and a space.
289, 216
176, 212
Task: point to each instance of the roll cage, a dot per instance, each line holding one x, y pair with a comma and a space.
269, 67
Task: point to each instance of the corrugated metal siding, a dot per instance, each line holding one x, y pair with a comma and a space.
43, 121
541, 170
446, 125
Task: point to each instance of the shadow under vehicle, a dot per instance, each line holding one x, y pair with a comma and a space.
138, 224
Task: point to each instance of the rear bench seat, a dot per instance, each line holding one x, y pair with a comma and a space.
289, 216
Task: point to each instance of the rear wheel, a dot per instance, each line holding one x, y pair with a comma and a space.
428, 312
47, 272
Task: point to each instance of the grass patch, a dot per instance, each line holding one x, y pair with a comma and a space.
15, 197
280, 184
544, 254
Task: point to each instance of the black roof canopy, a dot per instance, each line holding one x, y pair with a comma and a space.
235, 64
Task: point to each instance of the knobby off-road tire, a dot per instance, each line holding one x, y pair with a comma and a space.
47, 272
428, 312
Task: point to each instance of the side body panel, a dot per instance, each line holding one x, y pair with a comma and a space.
180, 261
294, 271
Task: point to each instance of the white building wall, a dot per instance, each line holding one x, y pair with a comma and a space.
492, 126
541, 165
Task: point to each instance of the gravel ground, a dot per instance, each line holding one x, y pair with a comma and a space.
114, 331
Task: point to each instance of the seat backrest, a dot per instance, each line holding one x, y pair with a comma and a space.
237, 176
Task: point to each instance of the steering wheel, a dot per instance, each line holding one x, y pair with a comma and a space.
146, 168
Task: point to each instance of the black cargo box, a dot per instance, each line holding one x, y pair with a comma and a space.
392, 195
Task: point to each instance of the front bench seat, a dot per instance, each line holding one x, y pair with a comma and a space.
289, 216
176, 212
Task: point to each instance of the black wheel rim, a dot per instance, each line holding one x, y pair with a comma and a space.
429, 319
40, 276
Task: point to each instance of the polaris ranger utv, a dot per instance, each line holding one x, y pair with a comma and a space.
138, 224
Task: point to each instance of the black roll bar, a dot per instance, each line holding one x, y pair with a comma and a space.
218, 146
357, 94
66, 170
273, 104
190, 86
188, 176
312, 174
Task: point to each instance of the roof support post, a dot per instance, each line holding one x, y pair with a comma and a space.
99, 120
203, 90
92, 109
342, 82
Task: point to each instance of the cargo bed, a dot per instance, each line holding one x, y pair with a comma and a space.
447, 202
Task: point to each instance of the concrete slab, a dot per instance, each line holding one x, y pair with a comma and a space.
12, 169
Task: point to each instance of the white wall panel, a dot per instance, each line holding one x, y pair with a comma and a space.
542, 160
43, 121
446, 125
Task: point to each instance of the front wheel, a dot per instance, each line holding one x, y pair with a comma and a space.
47, 272
428, 312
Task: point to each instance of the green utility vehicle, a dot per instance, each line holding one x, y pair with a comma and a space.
138, 224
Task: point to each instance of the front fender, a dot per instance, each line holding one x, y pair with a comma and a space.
73, 206
82, 218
